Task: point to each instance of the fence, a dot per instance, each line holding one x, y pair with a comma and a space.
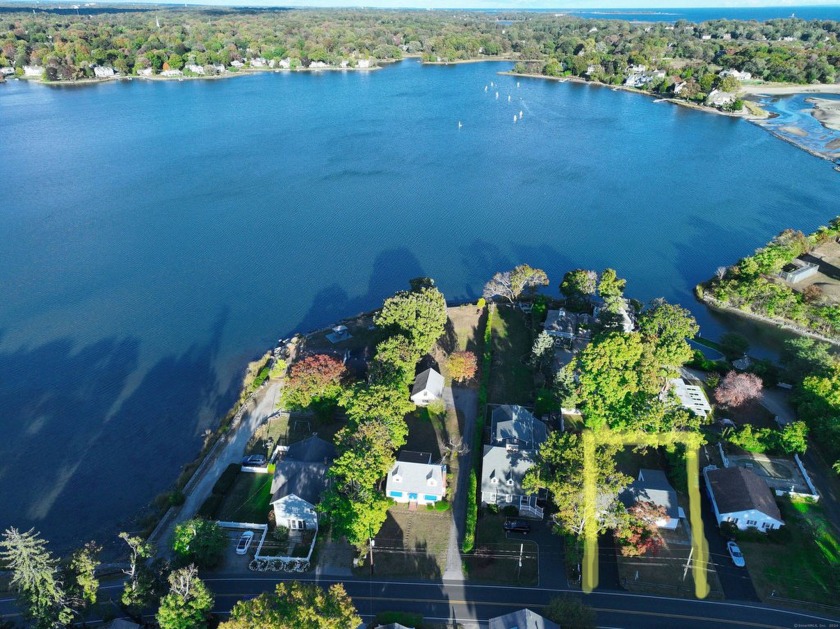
815, 494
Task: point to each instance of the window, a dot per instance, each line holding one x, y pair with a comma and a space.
430, 498
752, 522
297, 525
395, 494
508, 498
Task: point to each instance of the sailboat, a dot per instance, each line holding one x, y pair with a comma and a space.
497, 96
517, 84
459, 124
485, 88
514, 117
508, 97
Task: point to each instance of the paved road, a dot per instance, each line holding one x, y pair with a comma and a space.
465, 402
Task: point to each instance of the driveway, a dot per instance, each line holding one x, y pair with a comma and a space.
465, 403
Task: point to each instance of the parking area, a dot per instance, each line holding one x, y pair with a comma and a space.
232, 561
780, 473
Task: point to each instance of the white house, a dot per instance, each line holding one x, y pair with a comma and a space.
736, 74
718, 98
103, 72
690, 396
739, 496
195, 68
414, 478
318, 65
653, 486
299, 480
522, 619
146, 71
33, 71
172, 73
362, 63
503, 469
428, 387
285, 64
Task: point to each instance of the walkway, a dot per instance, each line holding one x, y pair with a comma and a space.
465, 402
229, 450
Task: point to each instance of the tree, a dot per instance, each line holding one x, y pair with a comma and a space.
382, 401
571, 612
794, 438
357, 516
511, 284
737, 388
312, 379
559, 469
565, 387
188, 603
82, 584
140, 587
395, 358
733, 345
542, 352
200, 542
665, 328
41, 594
640, 535
578, 287
463, 366
419, 315
296, 605
611, 290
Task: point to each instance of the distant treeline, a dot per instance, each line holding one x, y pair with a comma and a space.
68, 45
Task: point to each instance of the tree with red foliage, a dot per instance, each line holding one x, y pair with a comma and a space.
462, 365
316, 378
641, 535
737, 388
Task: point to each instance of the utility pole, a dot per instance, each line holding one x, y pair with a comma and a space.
371, 555
688, 562
519, 573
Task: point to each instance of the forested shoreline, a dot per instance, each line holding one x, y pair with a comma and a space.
691, 60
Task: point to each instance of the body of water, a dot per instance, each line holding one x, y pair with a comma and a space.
158, 235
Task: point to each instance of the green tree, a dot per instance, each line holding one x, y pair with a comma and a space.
733, 345
578, 287
559, 469
511, 284
41, 595
358, 517
665, 328
139, 588
82, 584
611, 290
565, 387
198, 541
386, 402
295, 605
188, 603
571, 612
419, 315
794, 438
395, 358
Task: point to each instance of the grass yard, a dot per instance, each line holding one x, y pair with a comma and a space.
662, 573
276, 429
511, 378
248, 499
423, 433
465, 324
496, 557
807, 566
411, 543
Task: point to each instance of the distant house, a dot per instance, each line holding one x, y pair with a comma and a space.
172, 73
195, 68
717, 98
741, 76
414, 478
653, 486
103, 72
690, 396
522, 619
428, 387
299, 480
285, 64
318, 65
7, 71
365, 63
236, 63
513, 425
797, 270
259, 62
739, 496
33, 71
502, 471
146, 71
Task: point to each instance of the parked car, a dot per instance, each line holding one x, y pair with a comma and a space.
244, 542
735, 553
255, 460
517, 526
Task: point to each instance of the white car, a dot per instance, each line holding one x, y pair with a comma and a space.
735, 553
244, 542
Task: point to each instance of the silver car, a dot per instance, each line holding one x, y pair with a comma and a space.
735, 553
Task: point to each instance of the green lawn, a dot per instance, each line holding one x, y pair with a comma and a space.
511, 379
496, 557
248, 499
805, 567
422, 435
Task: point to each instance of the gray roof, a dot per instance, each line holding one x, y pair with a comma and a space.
429, 379
738, 489
417, 478
514, 424
122, 623
503, 466
560, 323
311, 450
652, 486
522, 619
299, 478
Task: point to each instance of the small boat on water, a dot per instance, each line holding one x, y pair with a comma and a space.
514, 117
508, 97
517, 84
497, 96
459, 124
485, 88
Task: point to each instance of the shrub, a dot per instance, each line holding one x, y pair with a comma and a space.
199, 541
210, 507
472, 514
227, 479
176, 498
571, 612
442, 505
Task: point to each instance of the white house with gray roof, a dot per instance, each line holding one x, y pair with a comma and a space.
299, 480
414, 478
691, 396
522, 619
503, 469
428, 387
516, 426
653, 486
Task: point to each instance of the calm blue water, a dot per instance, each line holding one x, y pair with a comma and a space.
793, 120
157, 236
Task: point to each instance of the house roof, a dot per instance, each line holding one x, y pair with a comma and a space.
652, 486
560, 323
428, 380
502, 470
311, 450
515, 424
122, 623
410, 476
738, 489
299, 478
522, 619
691, 396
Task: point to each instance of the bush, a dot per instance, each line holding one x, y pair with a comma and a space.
510, 511
442, 505
571, 612
227, 479
199, 541
210, 507
472, 514
176, 498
